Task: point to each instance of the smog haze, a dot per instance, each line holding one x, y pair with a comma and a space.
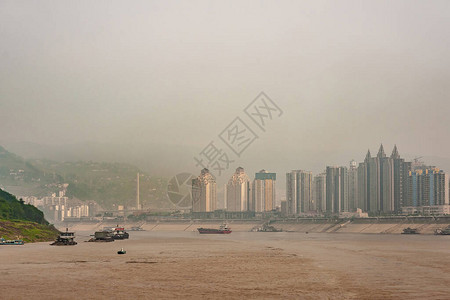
152, 83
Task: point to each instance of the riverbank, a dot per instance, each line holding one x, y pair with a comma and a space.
27, 231
364, 225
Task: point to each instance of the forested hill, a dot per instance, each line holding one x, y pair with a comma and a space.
108, 184
13, 209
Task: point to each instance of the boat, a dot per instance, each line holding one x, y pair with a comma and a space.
121, 251
440, 231
119, 233
224, 229
138, 228
266, 228
102, 236
11, 242
410, 230
65, 239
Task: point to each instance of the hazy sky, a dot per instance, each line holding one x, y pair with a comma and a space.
160, 79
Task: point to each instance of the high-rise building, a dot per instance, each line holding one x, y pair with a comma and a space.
401, 172
263, 192
225, 196
381, 182
320, 192
441, 189
353, 187
138, 203
378, 178
204, 198
238, 191
427, 187
387, 184
337, 189
299, 190
363, 199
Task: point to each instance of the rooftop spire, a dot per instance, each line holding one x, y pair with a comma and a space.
368, 156
395, 153
381, 152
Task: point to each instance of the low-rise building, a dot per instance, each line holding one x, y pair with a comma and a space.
435, 210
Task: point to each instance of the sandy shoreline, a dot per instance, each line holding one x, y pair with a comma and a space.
165, 265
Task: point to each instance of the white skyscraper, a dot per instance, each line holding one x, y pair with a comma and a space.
353, 187
299, 190
238, 191
204, 192
263, 191
320, 191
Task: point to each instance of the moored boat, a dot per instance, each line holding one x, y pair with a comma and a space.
11, 242
119, 233
266, 228
410, 230
224, 229
137, 228
102, 236
65, 239
440, 231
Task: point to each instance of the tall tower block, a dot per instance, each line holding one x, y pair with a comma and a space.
138, 205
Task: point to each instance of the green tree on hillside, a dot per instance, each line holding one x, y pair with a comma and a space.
13, 209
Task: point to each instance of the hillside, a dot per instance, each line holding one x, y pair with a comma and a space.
20, 175
108, 184
23, 220
13, 209
27, 231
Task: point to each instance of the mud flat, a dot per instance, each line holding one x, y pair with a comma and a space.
184, 264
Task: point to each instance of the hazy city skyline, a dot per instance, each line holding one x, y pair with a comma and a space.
152, 83
234, 149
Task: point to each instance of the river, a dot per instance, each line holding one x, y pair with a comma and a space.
180, 264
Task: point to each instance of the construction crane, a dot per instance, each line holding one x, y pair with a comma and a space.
417, 162
417, 159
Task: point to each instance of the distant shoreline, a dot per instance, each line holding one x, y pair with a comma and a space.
395, 225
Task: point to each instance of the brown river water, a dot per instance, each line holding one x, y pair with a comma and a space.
241, 265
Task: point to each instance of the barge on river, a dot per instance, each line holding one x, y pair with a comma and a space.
65, 239
224, 229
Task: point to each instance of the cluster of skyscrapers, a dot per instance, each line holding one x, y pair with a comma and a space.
241, 195
60, 208
381, 184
